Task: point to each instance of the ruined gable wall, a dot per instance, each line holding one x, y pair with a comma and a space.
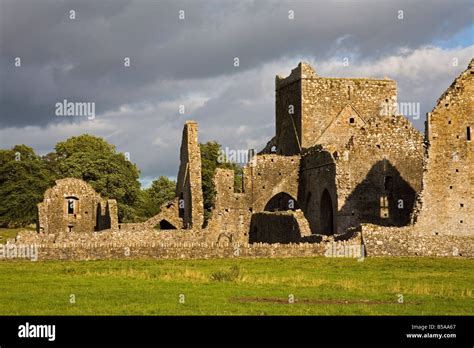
169, 212
448, 193
342, 128
189, 183
379, 173
53, 213
324, 98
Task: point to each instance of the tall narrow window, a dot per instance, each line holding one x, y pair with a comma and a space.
388, 183
468, 133
70, 206
384, 207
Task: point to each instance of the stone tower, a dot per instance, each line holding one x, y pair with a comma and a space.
189, 185
447, 200
307, 104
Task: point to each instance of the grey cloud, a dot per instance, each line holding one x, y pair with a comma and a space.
177, 62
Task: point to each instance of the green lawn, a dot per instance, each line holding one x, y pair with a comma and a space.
6, 233
321, 286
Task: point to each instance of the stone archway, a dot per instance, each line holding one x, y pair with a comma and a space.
326, 214
281, 202
166, 225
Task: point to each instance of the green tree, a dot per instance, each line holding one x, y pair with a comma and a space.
210, 152
24, 177
97, 162
162, 190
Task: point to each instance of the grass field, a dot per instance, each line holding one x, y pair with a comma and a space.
6, 233
320, 286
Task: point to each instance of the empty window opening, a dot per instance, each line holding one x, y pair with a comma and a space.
388, 183
461, 205
450, 187
449, 122
165, 225
384, 207
352, 120
468, 133
71, 206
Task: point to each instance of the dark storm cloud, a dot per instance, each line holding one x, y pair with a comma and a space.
190, 62
82, 59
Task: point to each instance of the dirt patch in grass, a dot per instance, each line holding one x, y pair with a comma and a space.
277, 300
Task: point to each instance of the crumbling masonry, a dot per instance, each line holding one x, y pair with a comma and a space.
341, 166
72, 205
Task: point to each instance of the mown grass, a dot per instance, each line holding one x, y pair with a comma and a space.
6, 233
320, 286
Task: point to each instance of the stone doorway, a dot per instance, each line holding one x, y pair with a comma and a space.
326, 214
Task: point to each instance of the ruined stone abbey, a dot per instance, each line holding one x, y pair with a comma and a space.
343, 165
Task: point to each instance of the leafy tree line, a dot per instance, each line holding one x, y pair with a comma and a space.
25, 176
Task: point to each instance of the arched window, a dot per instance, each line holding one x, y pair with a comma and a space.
71, 206
281, 202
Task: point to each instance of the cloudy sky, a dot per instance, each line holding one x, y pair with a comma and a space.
190, 62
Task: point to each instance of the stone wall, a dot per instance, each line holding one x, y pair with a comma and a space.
288, 112
266, 177
230, 217
307, 105
179, 244
324, 98
189, 183
72, 205
188, 244
410, 241
269, 176
366, 163
379, 174
167, 218
318, 192
447, 201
